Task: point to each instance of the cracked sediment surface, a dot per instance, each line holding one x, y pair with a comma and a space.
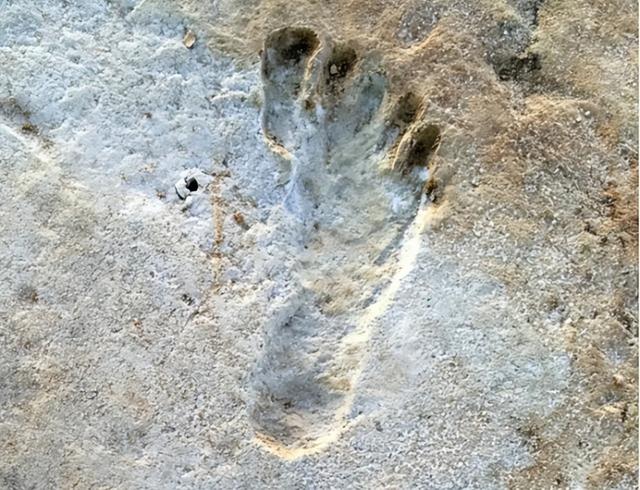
355, 245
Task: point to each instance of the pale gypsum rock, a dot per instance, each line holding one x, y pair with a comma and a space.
193, 180
189, 39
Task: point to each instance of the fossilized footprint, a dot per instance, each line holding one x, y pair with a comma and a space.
358, 162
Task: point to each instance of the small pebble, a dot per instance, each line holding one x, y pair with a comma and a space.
189, 39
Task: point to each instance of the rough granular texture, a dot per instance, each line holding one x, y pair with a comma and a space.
337, 244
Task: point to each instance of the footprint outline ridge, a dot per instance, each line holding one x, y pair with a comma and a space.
358, 160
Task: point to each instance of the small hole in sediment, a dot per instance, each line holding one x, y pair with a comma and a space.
192, 184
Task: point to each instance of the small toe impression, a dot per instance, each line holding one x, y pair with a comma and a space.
406, 110
287, 47
417, 147
342, 60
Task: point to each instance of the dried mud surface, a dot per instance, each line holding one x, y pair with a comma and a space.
408, 257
